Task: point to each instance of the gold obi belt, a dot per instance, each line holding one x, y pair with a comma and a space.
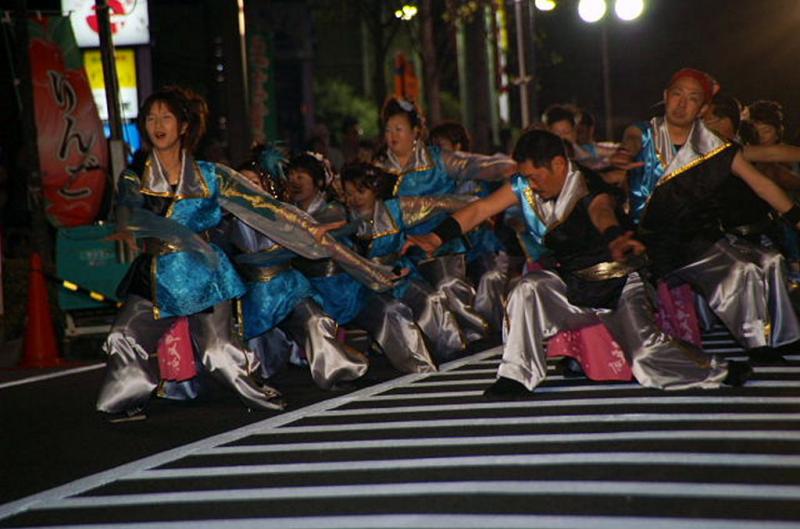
603, 271
262, 274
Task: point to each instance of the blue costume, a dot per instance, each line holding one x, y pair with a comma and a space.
178, 275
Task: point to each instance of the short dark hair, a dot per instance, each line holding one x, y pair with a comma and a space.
539, 147
769, 112
726, 106
453, 131
394, 106
366, 175
556, 113
188, 107
309, 163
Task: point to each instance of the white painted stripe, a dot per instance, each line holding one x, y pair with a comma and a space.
489, 440
639, 459
462, 521
697, 491
49, 376
589, 384
594, 418
102, 478
660, 400
776, 369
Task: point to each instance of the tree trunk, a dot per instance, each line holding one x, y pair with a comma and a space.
478, 78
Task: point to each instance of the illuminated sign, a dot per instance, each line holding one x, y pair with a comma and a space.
125, 60
129, 22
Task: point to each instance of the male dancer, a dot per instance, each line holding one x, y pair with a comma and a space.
577, 217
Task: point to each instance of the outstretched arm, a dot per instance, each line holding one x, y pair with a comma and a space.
463, 166
468, 217
765, 188
419, 209
781, 152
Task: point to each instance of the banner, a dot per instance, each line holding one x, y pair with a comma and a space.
73, 156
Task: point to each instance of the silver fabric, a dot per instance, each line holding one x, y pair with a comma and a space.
465, 166
330, 361
538, 308
434, 317
745, 286
129, 379
447, 273
494, 273
293, 229
274, 349
391, 325
700, 142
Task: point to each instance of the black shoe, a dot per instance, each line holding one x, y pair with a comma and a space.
568, 367
766, 356
506, 388
738, 373
130, 415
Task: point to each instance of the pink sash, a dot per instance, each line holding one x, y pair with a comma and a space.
176, 354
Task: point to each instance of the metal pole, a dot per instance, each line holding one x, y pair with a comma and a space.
109, 68
523, 74
606, 83
116, 145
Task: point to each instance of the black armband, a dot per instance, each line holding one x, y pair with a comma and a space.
448, 229
612, 233
792, 216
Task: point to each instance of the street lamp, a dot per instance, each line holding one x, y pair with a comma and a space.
592, 11
545, 5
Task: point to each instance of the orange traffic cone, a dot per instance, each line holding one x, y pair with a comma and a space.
41, 348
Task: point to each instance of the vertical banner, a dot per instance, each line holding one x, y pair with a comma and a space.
261, 73
72, 148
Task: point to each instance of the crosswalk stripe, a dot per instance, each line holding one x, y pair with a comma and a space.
550, 459
490, 440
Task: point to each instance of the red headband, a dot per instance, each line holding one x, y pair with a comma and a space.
709, 84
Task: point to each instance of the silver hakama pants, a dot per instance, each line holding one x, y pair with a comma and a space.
447, 273
746, 287
538, 309
494, 273
329, 360
433, 315
129, 379
391, 325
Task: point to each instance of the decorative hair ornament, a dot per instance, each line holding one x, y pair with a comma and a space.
269, 165
407, 106
326, 166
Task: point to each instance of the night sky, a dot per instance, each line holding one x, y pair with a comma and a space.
752, 47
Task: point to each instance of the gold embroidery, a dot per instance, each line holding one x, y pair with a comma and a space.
694, 163
602, 271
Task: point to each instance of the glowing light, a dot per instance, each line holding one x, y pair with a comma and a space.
407, 12
629, 9
69, 285
591, 10
545, 5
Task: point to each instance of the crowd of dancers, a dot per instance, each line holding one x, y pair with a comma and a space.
611, 255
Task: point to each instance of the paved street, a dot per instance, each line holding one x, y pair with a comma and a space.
429, 451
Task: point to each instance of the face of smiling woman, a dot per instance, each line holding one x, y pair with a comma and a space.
163, 128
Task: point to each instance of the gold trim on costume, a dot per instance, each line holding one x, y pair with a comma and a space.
694, 163
263, 274
603, 271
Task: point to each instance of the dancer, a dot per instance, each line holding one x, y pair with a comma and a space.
576, 216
